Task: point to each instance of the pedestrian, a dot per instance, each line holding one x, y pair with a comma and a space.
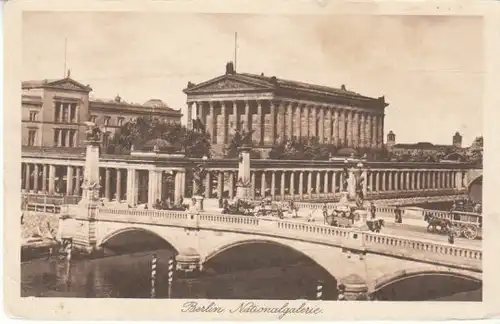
373, 209
451, 237
325, 210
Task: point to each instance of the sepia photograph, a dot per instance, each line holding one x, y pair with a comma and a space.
251, 157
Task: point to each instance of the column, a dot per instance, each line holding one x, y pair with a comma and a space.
118, 185
201, 113
27, 177
292, 184
211, 122
263, 184
408, 182
259, 129
355, 130
289, 123
272, 126
336, 133
326, 188
107, 187
252, 181
44, 178
349, 129
309, 184
231, 185
177, 187
131, 187
380, 134
69, 180
224, 116
329, 128
318, 183
35, 180
208, 185
321, 124
377, 182
334, 183
190, 115
374, 131
248, 120
220, 184
383, 187
390, 184
301, 185
367, 127
313, 132
282, 185
305, 122
362, 135
273, 185
365, 183
281, 133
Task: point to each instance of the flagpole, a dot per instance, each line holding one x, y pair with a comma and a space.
235, 48
65, 50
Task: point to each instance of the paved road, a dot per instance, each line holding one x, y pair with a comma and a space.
411, 227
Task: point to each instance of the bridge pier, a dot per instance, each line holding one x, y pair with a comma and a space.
188, 263
355, 287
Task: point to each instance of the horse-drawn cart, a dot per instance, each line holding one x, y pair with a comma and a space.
468, 224
459, 222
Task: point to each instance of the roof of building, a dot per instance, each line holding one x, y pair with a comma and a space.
119, 103
64, 83
255, 81
422, 146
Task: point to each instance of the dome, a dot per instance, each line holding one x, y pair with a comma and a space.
155, 103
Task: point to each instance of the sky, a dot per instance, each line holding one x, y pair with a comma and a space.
430, 68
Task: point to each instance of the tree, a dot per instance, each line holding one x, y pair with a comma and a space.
303, 149
240, 138
195, 143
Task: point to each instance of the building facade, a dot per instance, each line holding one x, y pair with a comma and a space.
54, 113
277, 110
423, 147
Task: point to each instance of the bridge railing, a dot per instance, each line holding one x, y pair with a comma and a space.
413, 248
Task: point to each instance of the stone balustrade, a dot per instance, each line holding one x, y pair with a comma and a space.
316, 233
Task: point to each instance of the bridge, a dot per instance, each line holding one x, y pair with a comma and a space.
364, 262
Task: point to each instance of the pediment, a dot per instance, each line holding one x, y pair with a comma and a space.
69, 84
226, 84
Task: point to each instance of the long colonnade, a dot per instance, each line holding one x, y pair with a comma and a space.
274, 121
144, 186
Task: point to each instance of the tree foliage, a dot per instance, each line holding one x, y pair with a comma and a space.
195, 143
303, 149
240, 138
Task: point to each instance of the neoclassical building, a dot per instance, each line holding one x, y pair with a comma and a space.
278, 110
54, 112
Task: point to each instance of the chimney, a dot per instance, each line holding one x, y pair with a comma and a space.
230, 68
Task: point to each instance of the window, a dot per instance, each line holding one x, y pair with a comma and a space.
106, 120
56, 137
33, 115
72, 138
31, 137
93, 118
120, 121
57, 115
65, 111
64, 135
73, 111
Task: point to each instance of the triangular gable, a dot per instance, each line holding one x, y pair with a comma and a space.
227, 83
68, 84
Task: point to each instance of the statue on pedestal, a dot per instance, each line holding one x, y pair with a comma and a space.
93, 132
199, 175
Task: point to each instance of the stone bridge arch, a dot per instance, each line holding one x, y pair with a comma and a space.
475, 187
107, 231
397, 277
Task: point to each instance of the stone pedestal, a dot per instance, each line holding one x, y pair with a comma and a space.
198, 203
243, 187
188, 263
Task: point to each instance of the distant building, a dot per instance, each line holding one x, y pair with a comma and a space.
54, 112
401, 149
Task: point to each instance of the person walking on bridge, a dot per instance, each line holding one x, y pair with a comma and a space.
373, 209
